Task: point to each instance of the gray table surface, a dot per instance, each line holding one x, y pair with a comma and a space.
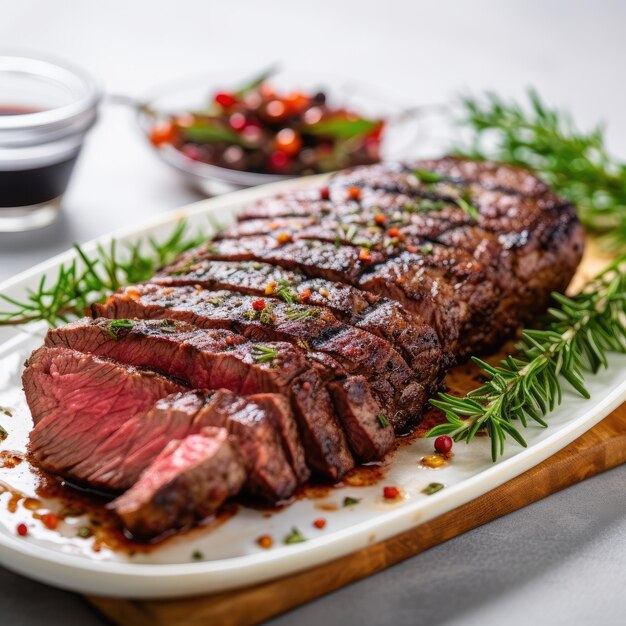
559, 561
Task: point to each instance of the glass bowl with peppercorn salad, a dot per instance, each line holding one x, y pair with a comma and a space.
225, 134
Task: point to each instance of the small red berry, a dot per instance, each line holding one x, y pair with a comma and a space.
278, 160
319, 523
443, 444
225, 99
354, 193
258, 305
305, 295
22, 530
325, 193
394, 232
238, 121
391, 493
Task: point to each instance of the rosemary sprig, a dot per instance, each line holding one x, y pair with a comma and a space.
576, 164
90, 278
575, 338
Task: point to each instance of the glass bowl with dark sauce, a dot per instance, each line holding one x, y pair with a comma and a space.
46, 108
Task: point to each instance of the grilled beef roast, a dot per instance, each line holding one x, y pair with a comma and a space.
341, 306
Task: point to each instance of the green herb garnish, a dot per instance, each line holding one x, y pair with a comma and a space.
6, 411
342, 128
576, 164
255, 82
286, 293
428, 177
90, 278
85, 532
382, 420
205, 132
575, 338
432, 488
348, 501
3, 434
466, 206
196, 555
115, 326
264, 354
295, 313
295, 536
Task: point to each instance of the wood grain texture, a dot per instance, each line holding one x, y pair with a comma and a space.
600, 449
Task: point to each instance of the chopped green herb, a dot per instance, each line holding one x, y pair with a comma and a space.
250, 315
296, 313
6, 410
264, 354
84, 532
428, 177
196, 555
382, 420
267, 314
185, 268
206, 132
3, 434
468, 207
254, 83
342, 128
116, 325
348, 501
286, 292
427, 248
432, 488
295, 536
216, 301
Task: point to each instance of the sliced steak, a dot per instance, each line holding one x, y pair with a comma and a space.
416, 341
121, 459
312, 328
213, 359
186, 483
279, 408
78, 400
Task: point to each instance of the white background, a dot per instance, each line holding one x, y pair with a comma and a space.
573, 52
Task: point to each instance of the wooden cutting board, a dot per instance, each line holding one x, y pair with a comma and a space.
600, 449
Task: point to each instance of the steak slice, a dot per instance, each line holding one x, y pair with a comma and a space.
213, 359
417, 342
277, 406
186, 483
78, 400
119, 460
312, 328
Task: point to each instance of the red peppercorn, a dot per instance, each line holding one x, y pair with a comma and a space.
364, 255
443, 444
258, 305
325, 193
412, 249
50, 520
237, 121
380, 219
278, 160
354, 193
320, 522
225, 99
22, 530
391, 493
394, 232
305, 295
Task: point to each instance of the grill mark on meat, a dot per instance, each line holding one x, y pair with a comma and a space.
357, 351
417, 341
210, 359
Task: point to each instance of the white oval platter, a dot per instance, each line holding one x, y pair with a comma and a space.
231, 557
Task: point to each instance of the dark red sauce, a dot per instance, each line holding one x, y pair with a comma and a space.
36, 185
